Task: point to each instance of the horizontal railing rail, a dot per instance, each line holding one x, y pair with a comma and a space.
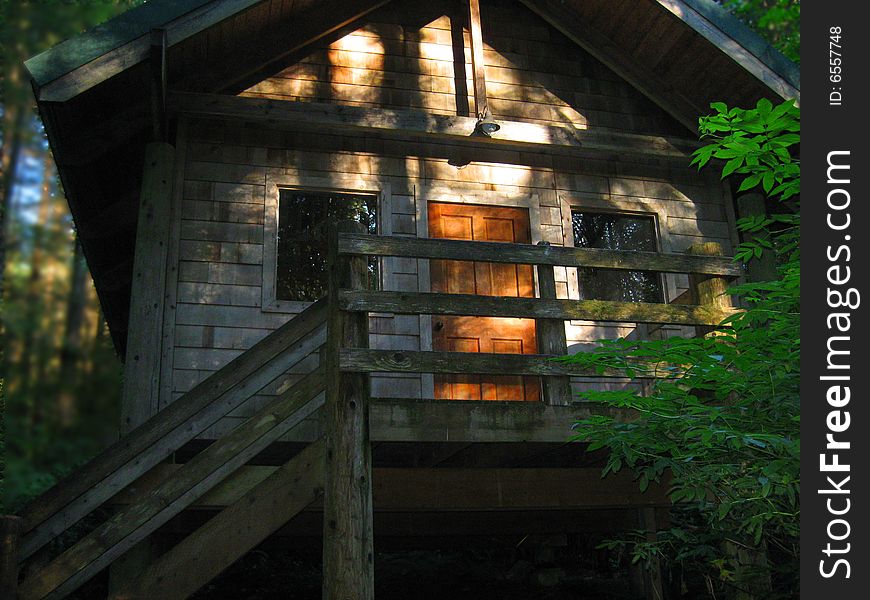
529, 308
362, 360
559, 256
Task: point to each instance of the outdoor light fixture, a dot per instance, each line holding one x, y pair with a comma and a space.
486, 123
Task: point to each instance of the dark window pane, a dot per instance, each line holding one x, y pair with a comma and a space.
303, 219
616, 232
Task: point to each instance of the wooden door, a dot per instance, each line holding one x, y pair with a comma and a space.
482, 334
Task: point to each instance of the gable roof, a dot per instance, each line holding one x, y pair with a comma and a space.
77, 64
682, 54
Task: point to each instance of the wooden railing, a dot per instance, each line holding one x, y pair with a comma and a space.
348, 490
708, 272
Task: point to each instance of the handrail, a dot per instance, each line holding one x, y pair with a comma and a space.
500, 252
109, 472
364, 360
529, 308
130, 525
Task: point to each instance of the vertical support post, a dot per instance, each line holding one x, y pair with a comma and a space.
763, 268
477, 63
11, 529
140, 399
348, 551
751, 571
551, 338
708, 289
647, 578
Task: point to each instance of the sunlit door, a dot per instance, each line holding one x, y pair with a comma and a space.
482, 334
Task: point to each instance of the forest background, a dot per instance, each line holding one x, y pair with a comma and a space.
60, 378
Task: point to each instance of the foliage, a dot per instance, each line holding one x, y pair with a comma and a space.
721, 423
756, 145
60, 378
778, 21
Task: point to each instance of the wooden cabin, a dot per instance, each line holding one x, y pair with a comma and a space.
349, 235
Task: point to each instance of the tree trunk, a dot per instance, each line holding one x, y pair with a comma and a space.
34, 302
72, 339
11, 153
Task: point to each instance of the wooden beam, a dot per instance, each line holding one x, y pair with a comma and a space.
500, 252
707, 290
11, 528
651, 569
244, 524
407, 420
532, 308
477, 63
416, 420
550, 333
348, 551
139, 399
457, 489
410, 125
512, 488
557, 14
356, 360
462, 528
112, 470
129, 526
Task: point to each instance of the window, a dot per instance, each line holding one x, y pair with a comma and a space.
616, 232
303, 220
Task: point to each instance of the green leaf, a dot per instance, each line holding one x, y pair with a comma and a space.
731, 166
767, 181
750, 182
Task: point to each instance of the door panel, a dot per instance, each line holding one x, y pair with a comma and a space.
482, 334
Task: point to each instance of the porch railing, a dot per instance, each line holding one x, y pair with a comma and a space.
708, 270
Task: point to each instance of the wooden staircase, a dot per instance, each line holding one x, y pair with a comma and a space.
200, 557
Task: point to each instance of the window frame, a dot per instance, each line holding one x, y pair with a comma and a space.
622, 206
274, 187
617, 214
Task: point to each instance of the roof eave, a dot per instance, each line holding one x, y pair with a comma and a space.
80, 63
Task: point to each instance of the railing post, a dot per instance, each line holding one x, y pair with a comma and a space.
708, 289
551, 338
10, 534
348, 552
